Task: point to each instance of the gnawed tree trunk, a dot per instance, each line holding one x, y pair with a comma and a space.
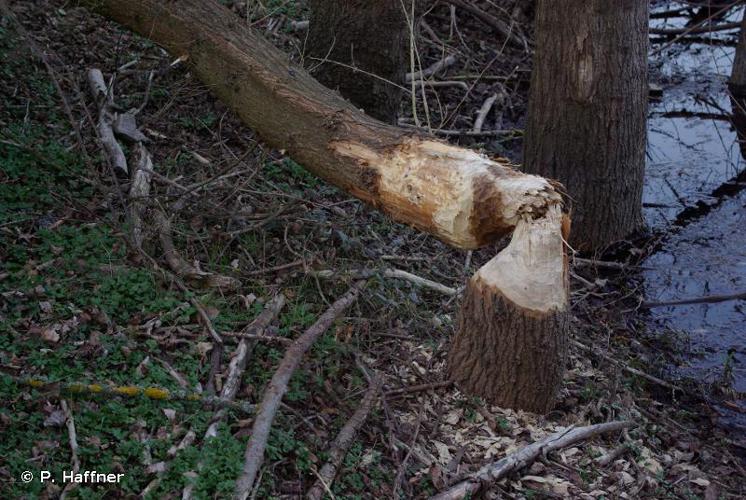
359, 47
510, 304
461, 197
587, 112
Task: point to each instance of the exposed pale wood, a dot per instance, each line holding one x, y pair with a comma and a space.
462, 197
511, 343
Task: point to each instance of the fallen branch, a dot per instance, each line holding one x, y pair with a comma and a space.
130, 391
418, 388
236, 368
694, 30
483, 112
103, 98
72, 435
441, 83
342, 443
463, 133
707, 299
277, 388
627, 368
437, 66
493, 472
181, 267
139, 192
392, 273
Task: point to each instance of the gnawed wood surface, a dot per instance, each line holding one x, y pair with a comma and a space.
461, 197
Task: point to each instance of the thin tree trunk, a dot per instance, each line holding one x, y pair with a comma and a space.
737, 88
587, 112
463, 198
359, 47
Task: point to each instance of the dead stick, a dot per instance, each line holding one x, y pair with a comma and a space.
418, 388
139, 192
236, 368
277, 388
102, 96
397, 274
483, 112
180, 266
493, 472
150, 392
698, 29
628, 369
72, 435
708, 299
342, 442
432, 69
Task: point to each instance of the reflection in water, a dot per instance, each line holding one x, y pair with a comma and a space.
696, 190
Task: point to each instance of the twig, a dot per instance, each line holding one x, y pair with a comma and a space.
707, 299
695, 30
605, 264
394, 273
102, 96
444, 63
493, 472
235, 371
206, 320
341, 444
71, 434
690, 29
180, 266
627, 368
483, 112
150, 392
463, 133
418, 388
609, 457
513, 37
442, 83
277, 387
257, 337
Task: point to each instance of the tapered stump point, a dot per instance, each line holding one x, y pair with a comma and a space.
511, 343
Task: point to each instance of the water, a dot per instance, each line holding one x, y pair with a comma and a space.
693, 153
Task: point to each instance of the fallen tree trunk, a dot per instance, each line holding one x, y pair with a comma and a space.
463, 198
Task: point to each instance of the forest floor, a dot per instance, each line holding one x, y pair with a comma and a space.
79, 305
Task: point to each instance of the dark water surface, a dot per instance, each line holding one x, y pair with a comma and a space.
695, 192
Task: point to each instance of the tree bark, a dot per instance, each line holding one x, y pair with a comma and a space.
587, 112
461, 197
359, 47
511, 343
737, 88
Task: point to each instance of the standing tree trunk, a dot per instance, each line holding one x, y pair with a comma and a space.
587, 112
737, 87
359, 47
